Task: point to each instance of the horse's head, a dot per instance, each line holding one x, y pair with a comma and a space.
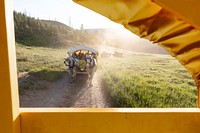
69, 62
90, 61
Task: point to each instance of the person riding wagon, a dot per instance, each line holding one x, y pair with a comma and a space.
80, 62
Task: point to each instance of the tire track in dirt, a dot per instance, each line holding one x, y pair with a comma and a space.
62, 93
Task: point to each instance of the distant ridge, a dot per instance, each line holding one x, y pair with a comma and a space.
56, 23
48, 33
124, 39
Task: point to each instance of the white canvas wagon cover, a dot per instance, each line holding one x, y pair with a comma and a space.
82, 48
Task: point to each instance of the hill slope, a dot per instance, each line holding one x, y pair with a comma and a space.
46, 33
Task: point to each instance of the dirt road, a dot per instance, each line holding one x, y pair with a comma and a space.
62, 93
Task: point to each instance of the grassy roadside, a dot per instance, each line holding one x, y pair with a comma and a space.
147, 80
42, 63
137, 80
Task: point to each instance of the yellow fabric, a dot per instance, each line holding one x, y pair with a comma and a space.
148, 20
82, 63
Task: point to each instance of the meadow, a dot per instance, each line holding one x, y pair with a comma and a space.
41, 63
148, 80
135, 80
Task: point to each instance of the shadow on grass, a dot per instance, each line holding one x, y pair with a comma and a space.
33, 80
48, 75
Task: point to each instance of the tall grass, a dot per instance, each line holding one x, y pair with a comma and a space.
147, 80
45, 63
40, 64
137, 80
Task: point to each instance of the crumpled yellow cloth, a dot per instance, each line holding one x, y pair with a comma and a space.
148, 20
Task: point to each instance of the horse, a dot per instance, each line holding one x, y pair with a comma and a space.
91, 66
71, 63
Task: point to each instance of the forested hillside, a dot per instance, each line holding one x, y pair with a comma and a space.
46, 33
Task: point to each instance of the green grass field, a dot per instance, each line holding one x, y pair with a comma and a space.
41, 63
147, 80
45, 63
137, 80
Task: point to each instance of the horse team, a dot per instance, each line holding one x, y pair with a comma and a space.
81, 62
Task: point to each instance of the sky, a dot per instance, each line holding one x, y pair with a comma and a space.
65, 11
